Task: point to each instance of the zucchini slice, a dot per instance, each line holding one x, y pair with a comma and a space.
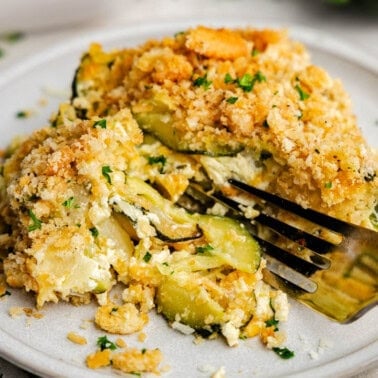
146, 207
231, 242
159, 121
188, 303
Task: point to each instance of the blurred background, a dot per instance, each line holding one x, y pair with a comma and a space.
39, 23
27, 27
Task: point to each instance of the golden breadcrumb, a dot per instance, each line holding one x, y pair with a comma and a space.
76, 338
251, 89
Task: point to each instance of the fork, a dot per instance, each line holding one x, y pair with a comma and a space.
323, 262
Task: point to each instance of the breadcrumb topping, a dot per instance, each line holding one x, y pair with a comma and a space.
205, 105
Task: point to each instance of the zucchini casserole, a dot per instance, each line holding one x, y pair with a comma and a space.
90, 200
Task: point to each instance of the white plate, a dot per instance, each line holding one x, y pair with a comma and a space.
322, 348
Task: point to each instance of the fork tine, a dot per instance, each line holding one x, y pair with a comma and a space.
341, 284
283, 240
274, 243
297, 281
312, 215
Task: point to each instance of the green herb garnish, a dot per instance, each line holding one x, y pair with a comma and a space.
302, 94
228, 79
204, 249
101, 123
246, 82
68, 203
161, 159
12, 37
272, 323
105, 172
202, 82
36, 223
328, 185
284, 353
21, 114
264, 155
94, 232
147, 257
157, 159
255, 52
104, 343
232, 100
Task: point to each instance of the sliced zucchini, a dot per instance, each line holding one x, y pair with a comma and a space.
181, 295
231, 242
158, 120
112, 229
144, 205
188, 303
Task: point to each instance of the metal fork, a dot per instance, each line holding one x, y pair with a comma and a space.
327, 264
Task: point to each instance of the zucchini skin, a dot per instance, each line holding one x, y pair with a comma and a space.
159, 123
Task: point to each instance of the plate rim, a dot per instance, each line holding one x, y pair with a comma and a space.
19, 353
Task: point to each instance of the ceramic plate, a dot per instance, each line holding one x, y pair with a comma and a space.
322, 348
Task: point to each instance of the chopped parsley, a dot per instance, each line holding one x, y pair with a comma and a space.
160, 159
264, 155
272, 323
157, 159
105, 172
101, 123
94, 232
255, 52
202, 82
114, 309
328, 185
370, 177
21, 114
302, 94
68, 202
36, 223
232, 100
147, 257
144, 350
12, 37
204, 249
104, 343
246, 82
228, 79
284, 353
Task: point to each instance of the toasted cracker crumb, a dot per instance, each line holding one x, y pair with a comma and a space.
99, 359
220, 373
142, 336
15, 311
76, 338
120, 343
134, 360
